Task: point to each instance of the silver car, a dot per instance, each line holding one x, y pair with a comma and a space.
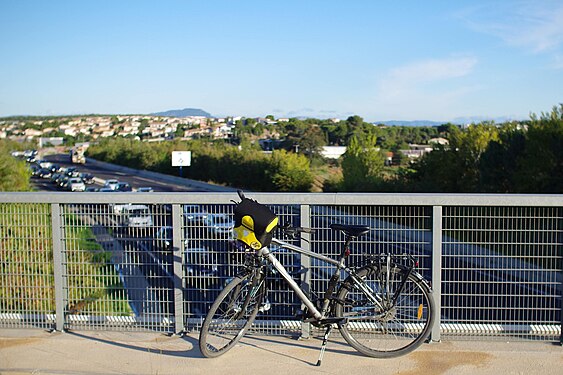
75, 184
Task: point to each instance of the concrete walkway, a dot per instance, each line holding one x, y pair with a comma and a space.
103, 352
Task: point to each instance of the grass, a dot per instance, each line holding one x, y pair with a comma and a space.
27, 270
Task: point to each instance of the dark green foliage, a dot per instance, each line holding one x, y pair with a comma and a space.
216, 162
14, 173
512, 158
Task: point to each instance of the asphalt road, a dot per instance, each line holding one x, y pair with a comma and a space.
106, 174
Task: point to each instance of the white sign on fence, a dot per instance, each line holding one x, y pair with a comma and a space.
181, 158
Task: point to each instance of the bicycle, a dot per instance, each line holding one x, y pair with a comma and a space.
383, 308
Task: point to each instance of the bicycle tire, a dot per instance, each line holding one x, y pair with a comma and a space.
231, 314
390, 329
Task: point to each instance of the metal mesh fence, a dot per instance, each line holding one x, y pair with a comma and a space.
27, 297
114, 274
159, 266
501, 271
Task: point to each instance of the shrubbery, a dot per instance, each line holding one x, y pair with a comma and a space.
215, 162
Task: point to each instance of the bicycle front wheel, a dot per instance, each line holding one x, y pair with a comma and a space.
232, 313
388, 315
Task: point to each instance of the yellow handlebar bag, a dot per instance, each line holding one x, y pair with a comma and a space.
254, 224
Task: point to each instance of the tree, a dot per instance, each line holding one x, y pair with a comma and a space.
540, 168
362, 165
499, 163
290, 172
455, 168
14, 174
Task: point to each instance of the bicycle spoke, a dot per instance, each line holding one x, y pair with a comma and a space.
390, 329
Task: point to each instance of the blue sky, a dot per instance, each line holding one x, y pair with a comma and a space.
382, 60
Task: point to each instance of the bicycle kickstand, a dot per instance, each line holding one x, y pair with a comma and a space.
323, 346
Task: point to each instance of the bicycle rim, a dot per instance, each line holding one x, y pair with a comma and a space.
230, 316
385, 329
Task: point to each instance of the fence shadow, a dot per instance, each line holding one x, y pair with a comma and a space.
191, 351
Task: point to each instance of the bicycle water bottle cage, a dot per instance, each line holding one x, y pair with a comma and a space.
351, 230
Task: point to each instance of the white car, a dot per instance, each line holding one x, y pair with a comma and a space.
136, 215
194, 212
220, 223
75, 184
112, 184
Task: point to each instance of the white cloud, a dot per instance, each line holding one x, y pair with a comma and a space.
411, 76
534, 25
428, 88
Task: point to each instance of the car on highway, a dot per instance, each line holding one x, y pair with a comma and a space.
135, 216
123, 186
44, 173
199, 260
220, 224
194, 212
75, 184
88, 178
112, 184
145, 189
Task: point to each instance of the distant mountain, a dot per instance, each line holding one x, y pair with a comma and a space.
478, 119
409, 123
186, 112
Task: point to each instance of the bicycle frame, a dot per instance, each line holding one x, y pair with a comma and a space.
266, 253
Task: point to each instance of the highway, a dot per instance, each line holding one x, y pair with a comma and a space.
103, 174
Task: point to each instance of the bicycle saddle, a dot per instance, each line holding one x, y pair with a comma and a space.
351, 230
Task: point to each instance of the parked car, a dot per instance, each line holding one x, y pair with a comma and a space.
112, 184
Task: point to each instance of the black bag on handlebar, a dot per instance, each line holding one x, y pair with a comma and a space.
254, 224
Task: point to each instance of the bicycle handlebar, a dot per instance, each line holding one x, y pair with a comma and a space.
294, 231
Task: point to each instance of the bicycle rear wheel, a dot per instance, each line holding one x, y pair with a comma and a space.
232, 313
397, 322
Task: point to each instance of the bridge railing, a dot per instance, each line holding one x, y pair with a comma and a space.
137, 261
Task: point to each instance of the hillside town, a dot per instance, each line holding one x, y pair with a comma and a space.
149, 128
54, 130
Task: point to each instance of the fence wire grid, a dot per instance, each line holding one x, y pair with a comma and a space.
496, 268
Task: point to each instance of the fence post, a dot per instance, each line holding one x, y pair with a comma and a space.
58, 265
305, 261
177, 253
437, 270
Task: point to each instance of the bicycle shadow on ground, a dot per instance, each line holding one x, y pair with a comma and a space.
311, 345
309, 355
